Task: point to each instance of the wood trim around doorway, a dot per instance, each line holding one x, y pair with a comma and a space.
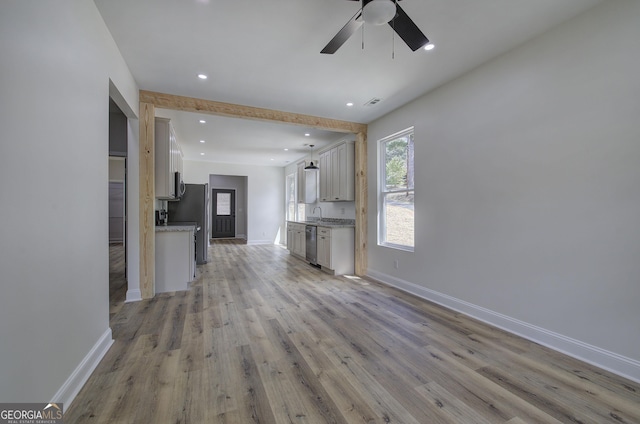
150, 100
147, 201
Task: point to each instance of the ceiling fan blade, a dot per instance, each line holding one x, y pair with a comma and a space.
344, 34
408, 30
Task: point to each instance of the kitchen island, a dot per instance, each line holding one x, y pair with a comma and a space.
175, 256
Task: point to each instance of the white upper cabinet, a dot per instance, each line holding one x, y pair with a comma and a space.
168, 159
324, 164
337, 173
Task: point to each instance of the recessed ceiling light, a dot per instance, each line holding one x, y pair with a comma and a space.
202, 121
272, 159
286, 150
429, 46
307, 134
201, 154
349, 104
201, 141
202, 76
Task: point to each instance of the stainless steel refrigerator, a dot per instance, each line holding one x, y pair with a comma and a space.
194, 207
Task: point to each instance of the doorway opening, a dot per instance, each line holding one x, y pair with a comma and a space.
239, 185
117, 208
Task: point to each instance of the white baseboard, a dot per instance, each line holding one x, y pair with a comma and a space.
255, 242
610, 361
133, 295
83, 371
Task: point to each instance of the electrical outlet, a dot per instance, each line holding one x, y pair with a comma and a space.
396, 264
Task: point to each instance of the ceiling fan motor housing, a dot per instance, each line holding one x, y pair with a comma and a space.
378, 12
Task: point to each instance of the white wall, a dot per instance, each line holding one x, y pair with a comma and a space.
57, 63
528, 190
265, 194
341, 210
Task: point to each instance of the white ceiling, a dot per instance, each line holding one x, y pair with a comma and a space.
243, 141
267, 54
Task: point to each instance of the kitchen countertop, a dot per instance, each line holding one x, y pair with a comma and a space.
177, 226
329, 222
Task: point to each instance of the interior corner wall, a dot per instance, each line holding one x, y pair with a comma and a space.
528, 187
57, 63
116, 169
117, 132
265, 195
133, 210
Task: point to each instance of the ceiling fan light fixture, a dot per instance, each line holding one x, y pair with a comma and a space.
378, 12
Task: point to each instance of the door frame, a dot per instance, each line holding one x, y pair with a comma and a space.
149, 101
121, 185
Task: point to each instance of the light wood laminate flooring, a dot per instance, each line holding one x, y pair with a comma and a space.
262, 337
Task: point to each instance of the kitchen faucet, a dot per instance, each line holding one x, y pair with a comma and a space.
314, 211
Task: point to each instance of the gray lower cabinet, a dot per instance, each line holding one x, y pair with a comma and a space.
335, 247
336, 250
175, 264
296, 239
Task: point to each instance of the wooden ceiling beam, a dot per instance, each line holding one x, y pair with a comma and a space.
191, 104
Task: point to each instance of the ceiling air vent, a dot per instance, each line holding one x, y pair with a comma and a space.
373, 101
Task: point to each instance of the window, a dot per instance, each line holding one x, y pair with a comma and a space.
291, 197
294, 211
302, 210
396, 207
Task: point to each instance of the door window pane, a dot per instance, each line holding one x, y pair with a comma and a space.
223, 201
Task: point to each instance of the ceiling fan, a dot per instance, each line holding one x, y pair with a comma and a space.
380, 12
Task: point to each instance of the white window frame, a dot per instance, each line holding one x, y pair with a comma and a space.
299, 212
287, 198
383, 192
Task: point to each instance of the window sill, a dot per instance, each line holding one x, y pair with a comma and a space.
397, 247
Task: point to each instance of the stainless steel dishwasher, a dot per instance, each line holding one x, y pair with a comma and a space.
311, 246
